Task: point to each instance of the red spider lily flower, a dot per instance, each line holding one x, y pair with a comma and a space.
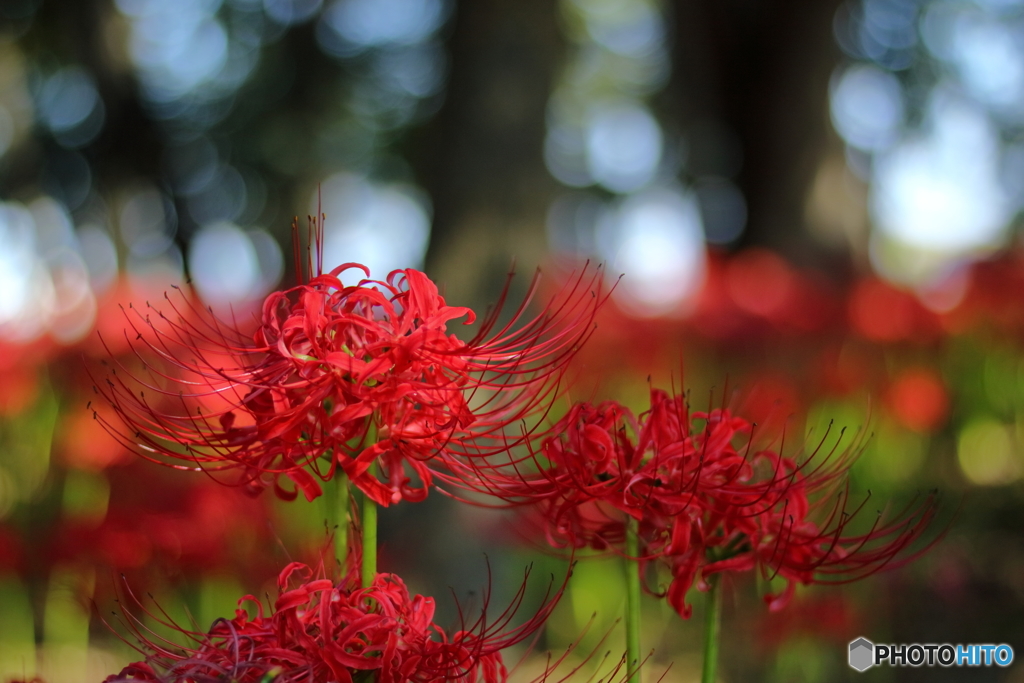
601, 464
322, 631
723, 508
344, 376
705, 499
584, 472
788, 542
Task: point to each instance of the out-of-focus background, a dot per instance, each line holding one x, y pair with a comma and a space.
816, 202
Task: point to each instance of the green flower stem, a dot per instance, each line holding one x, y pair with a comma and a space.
369, 568
632, 600
712, 628
340, 505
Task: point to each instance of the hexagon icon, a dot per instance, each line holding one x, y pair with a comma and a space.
862, 654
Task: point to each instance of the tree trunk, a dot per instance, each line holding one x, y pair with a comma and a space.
481, 157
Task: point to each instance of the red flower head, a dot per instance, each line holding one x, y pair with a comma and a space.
320, 631
704, 499
345, 375
725, 506
582, 481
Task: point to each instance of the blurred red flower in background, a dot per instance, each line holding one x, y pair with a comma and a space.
83, 441
919, 399
12, 553
19, 374
157, 527
833, 617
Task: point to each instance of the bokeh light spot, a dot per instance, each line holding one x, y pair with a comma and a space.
565, 155
623, 145
656, 239
942, 192
291, 12
99, 254
760, 282
919, 400
723, 209
70, 106
986, 453
867, 106
990, 59
147, 222
367, 23
881, 313
223, 264
383, 226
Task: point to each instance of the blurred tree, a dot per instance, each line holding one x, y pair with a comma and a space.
481, 156
750, 90
748, 94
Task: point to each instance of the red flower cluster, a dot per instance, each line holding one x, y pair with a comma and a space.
320, 631
158, 525
344, 376
702, 505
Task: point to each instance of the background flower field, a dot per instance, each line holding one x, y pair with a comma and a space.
814, 206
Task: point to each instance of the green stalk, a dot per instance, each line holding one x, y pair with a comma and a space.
712, 628
632, 600
339, 508
369, 568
